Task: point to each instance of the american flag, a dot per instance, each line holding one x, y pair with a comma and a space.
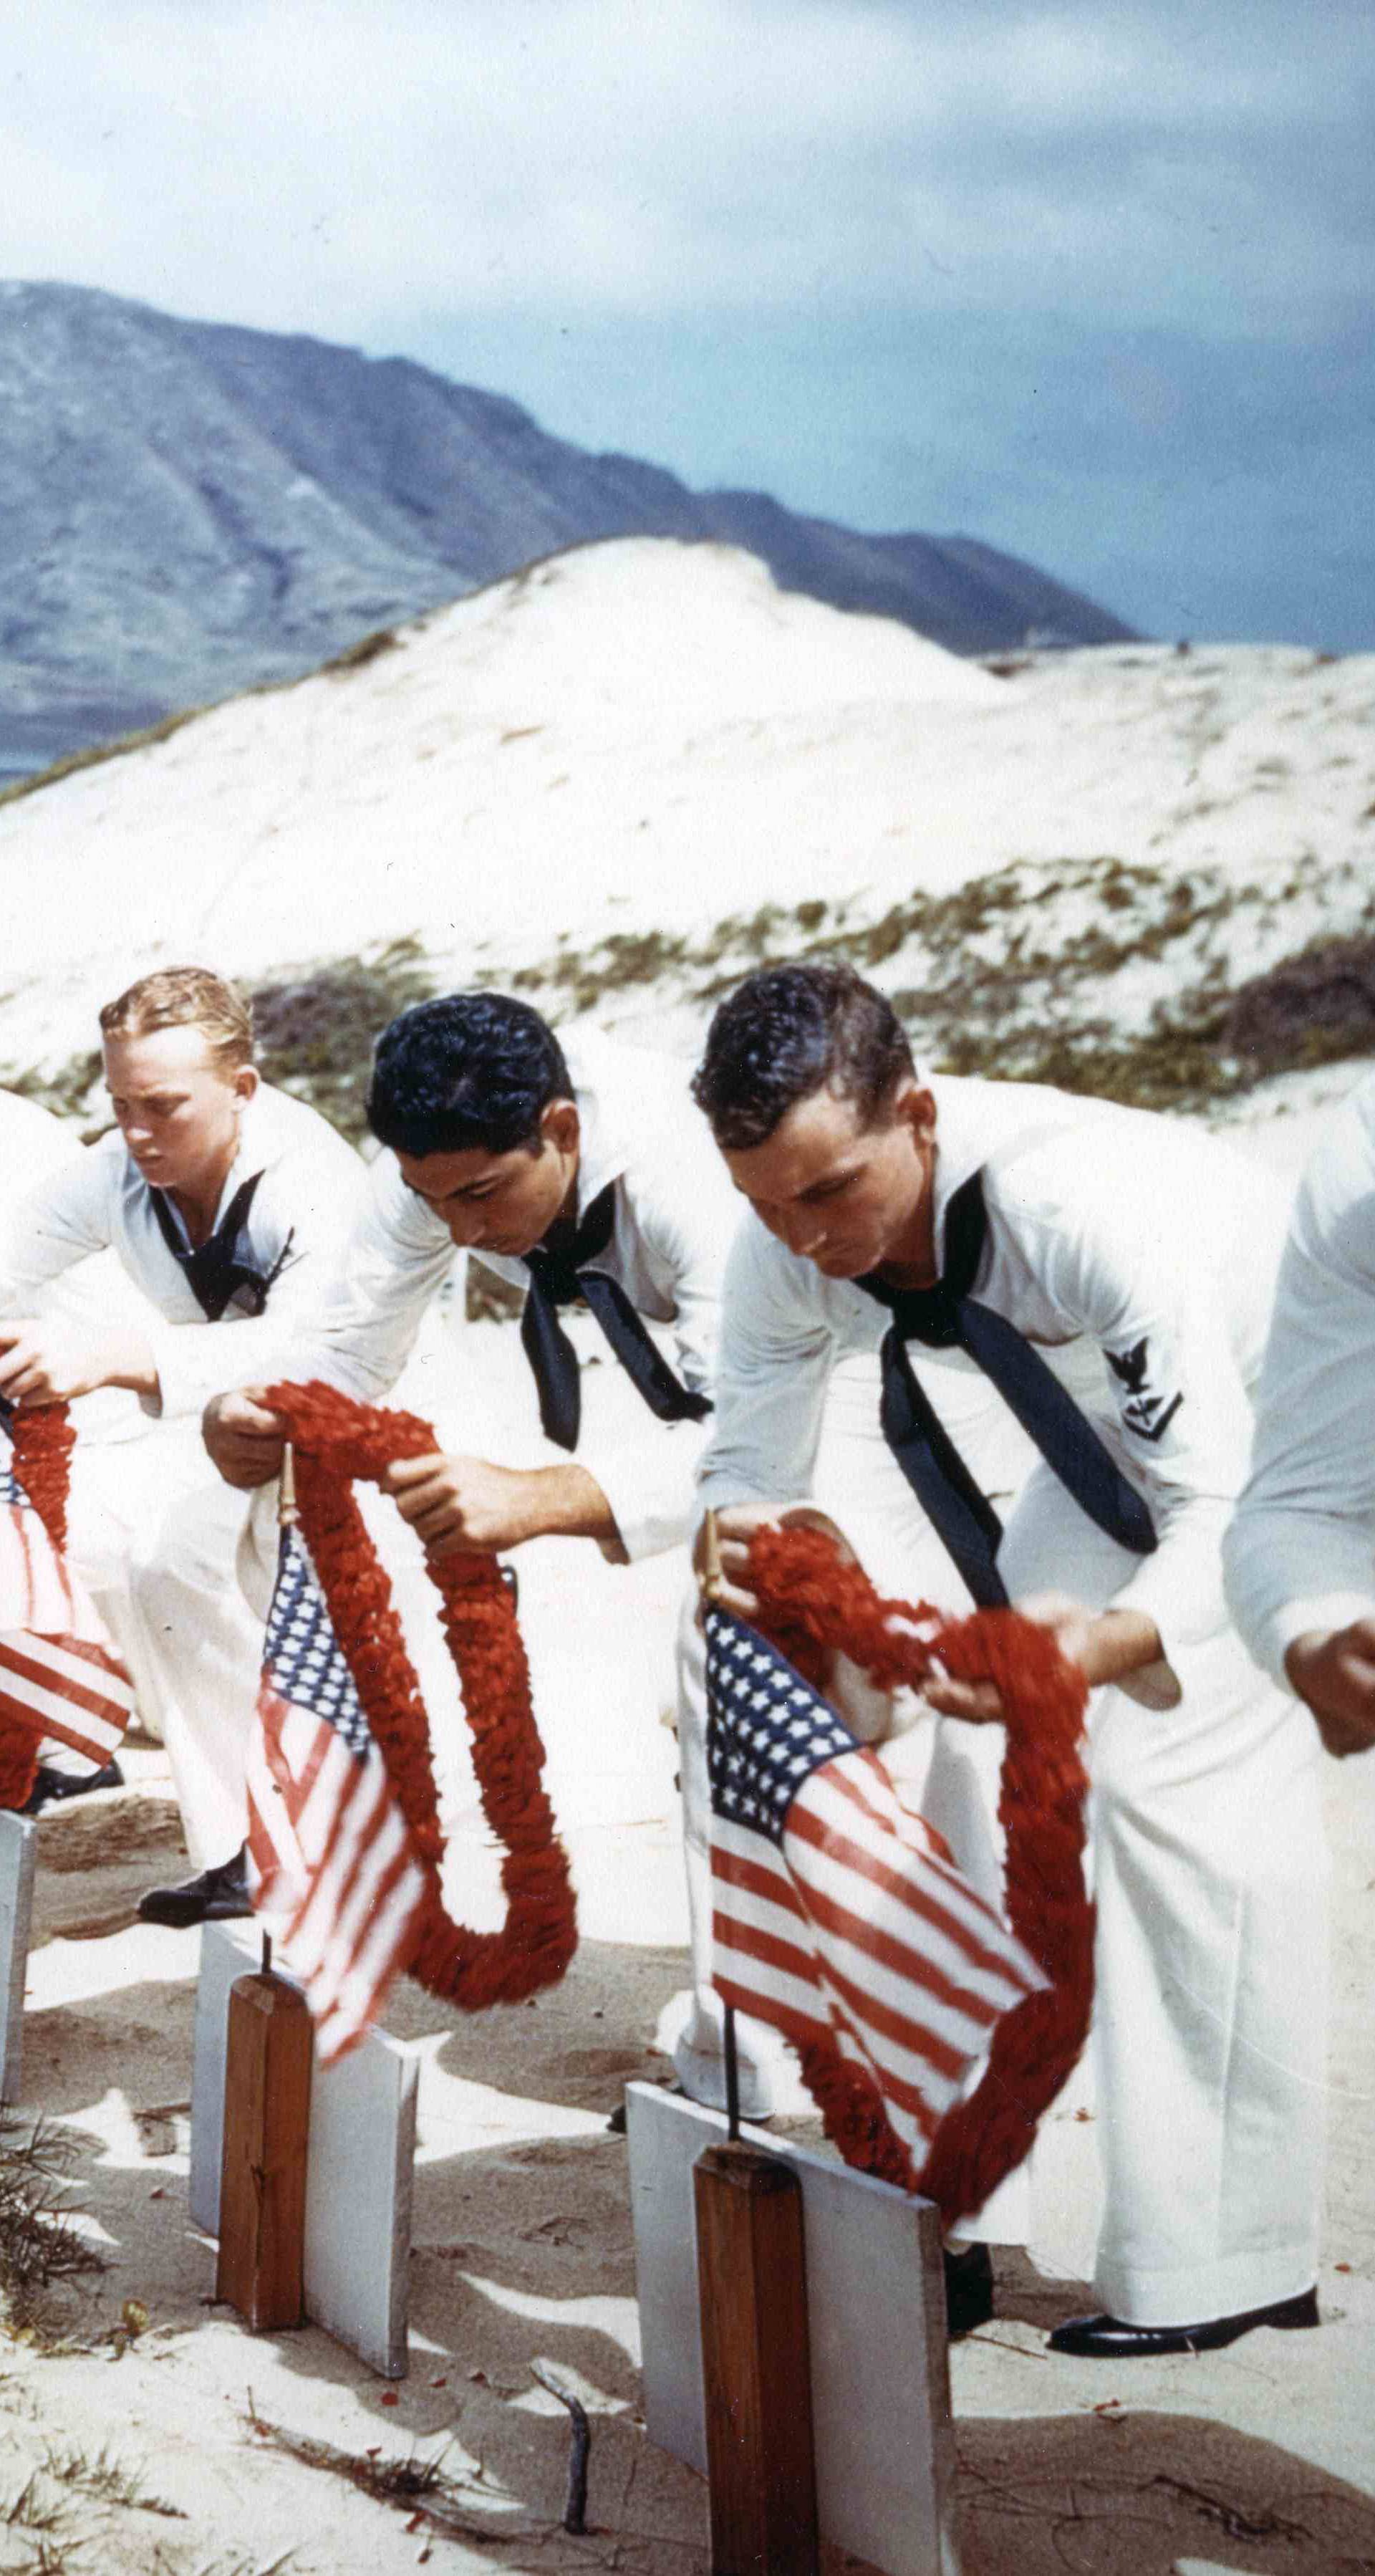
839, 1917
59, 1674
328, 1847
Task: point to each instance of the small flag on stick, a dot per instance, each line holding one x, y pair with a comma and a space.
59, 1674
328, 1847
839, 1917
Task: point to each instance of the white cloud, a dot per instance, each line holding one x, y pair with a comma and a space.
338, 165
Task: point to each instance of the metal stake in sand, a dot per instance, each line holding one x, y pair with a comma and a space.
713, 1587
752, 2288
268, 2056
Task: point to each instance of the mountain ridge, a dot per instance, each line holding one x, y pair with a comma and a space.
188, 507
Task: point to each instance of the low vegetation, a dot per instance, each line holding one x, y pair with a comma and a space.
40, 2243
1164, 990
316, 1027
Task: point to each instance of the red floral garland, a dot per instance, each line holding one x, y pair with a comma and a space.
812, 1603
338, 1442
43, 1441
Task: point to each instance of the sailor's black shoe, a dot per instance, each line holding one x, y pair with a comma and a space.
968, 2289
49, 1786
217, 1896
1111, 2339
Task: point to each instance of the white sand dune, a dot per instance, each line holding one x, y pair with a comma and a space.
647, 736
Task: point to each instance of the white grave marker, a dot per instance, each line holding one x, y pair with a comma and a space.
18, 1845
358, 2172
885, 2455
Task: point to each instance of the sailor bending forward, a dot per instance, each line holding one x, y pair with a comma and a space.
221, 1198
588, 1175
1301, 1551
896, 1212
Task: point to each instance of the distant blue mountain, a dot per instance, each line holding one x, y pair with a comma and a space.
187, 508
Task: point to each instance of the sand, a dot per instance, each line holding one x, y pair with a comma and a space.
645, 737
1258, 2458
637, 737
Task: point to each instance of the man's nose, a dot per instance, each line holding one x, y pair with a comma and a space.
801, 1229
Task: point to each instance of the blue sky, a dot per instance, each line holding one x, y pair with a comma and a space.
1091, 282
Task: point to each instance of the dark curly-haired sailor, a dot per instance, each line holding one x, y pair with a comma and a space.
900, 1212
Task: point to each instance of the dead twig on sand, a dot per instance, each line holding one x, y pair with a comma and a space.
417, 2487
1237, 2523
579, 2445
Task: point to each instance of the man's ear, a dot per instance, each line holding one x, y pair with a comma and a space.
246, 1081
560, 1125
916, 1108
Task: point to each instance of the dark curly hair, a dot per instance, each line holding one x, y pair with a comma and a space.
783, 1034
470, 1070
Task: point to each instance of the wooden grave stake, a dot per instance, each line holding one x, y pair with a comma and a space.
268, 2056
756, 2360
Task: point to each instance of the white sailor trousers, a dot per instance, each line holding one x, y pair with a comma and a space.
1210, 1869
154, 1533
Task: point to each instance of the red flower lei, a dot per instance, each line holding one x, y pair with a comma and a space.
43, 1441
811, 1603
337, 1442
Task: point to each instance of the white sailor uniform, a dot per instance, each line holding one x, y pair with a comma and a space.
1301, 1551
1148, 1251
675, 1214
153, 1529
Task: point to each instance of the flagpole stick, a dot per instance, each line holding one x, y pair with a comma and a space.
732, 2077
269, 2053
752, 2291
711, 1580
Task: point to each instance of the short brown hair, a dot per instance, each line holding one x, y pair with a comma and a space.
181, 997
788, 1031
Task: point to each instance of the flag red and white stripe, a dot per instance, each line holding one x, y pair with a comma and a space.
838, 1915
329, 1851
59, 1673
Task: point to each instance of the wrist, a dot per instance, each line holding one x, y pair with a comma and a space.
567, 1502
1119, 1642
131, 1365
1300, 1654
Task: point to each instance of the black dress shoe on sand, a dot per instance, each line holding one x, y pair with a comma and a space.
217, 1896
50, 1786
1109, 2339
968, 2289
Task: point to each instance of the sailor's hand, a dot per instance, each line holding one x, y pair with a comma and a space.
734, 1530
1334, 1672
50, 1363
458, 1504
1103, 1644
244, 1438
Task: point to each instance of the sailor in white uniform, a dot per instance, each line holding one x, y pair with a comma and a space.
586, 1174
221, 1199
1300, 1554
893, 1212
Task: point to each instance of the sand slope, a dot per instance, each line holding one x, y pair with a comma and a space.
645, 737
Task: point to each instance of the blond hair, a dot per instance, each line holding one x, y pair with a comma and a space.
186, 997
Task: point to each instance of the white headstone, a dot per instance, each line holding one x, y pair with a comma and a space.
885, 2458
18, 1841
359, 2164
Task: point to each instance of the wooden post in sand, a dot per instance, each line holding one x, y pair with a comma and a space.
756, 2365
268, 2056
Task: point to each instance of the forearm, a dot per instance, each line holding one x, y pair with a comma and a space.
1118, 1642
1295, 1569
568, 1502
128, 1361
